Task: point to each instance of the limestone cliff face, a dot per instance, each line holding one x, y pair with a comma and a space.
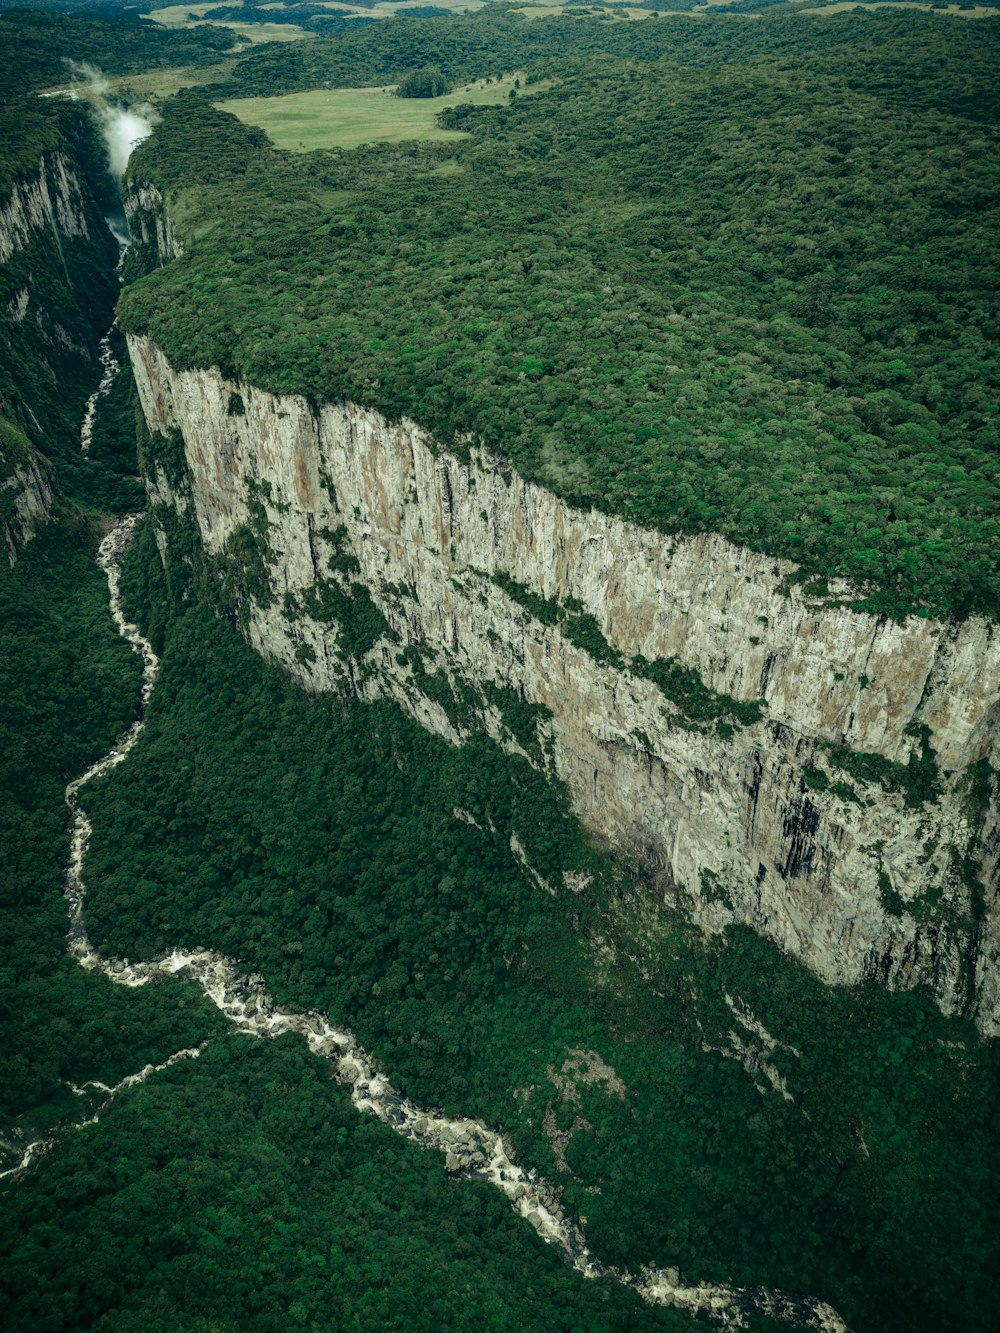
769, 823
46, 204
52, 199
25, 502
150, 225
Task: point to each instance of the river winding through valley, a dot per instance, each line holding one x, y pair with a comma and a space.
109, 369
470, 1148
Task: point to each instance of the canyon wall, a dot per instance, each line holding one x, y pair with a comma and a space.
42, 207
25, 500
49, 199
851, 816
56, 263
150, 225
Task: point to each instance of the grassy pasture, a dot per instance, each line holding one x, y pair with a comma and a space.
549, 7
256, 33
974, 12
179, 16
347, 117
156, 85
386, 8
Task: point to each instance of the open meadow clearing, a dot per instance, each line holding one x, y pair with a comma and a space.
965, 11
189, 16
347, 117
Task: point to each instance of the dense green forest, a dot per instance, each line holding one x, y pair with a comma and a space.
904, 57
719, 275
243, 1191
743, 283
69, 686
283, 830
239, 1191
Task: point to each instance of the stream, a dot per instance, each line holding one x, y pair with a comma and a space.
470, 1148
110, 365
109, 369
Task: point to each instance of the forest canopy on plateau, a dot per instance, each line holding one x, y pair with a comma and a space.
741, 285
746, 284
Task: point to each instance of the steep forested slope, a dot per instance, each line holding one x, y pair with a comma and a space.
367, 868
46, 44
69, 688
126, 1220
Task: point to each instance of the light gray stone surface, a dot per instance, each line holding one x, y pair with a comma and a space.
724, 827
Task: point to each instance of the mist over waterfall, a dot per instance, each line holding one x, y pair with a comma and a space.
122, 128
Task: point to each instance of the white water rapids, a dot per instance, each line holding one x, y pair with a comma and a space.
470, 1148
109, 369
41, 1146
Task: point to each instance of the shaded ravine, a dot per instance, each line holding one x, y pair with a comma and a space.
110, 366
109, 369
471, 1149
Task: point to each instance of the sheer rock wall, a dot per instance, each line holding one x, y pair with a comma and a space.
25, 502
760, 825
52, 200
150, 225
44, 204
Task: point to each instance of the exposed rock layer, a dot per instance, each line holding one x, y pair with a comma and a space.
150, 225
25, 501
58, 257
470, 1148
52, 199
841, 872
44, 204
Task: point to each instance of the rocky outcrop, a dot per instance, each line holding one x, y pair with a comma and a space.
25, 501
49, 202
853, 821
49, 221
150, 225
470, 1147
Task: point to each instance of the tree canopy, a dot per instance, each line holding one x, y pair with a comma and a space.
736, 286
428, 82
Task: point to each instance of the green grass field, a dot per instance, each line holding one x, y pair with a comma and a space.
181, 16
347, 117
387, 8
973, 12
546, 8
184, 16
158, 84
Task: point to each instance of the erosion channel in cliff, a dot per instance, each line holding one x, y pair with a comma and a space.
471, 1149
